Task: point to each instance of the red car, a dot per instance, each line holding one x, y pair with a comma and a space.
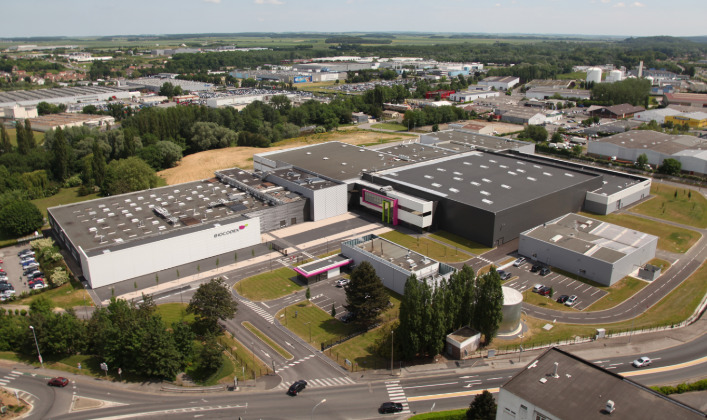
545, 291
58, 381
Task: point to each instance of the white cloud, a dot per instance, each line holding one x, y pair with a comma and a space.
637, 4
606, 1
212, 1
620, 4
269, 2
498, 4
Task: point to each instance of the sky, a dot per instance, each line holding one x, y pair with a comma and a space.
28, 18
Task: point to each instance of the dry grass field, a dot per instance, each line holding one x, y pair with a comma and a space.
202, 165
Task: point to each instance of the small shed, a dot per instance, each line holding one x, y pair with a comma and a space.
649, 272
462, 343
359, 117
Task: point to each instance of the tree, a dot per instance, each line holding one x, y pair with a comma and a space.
642, 161
22, 146
210, 356
161, 155
670, 166
127, 175
535, 133
556, 137
308, 294
29, 135
5, 144
489, 305
483, 407
18, 218
61, 156
212, 302
98, 164
333, 310
365, 294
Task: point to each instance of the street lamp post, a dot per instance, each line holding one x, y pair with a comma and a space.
315, 407
37, 344
521, 333
392, 338
310, 330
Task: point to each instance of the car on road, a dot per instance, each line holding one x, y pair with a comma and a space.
390, 407
571, 300
297, 387
535, 268
342, 282
641, 362
518, 262
545, 271
562, 299
505, 275
58, 381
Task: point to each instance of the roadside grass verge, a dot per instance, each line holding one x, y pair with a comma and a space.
618, 293
390, 126
304, 318
457, 241
459, 414
670, 238
242, 358
674, 308
545, 301
268, 286
65, 296
679, 205
64, 196
174, 312
427, 247
267, 340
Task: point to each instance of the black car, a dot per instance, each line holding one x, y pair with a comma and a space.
545, 271
348, 317
5, 286
562, 299
390, 407
297, 387
535, 268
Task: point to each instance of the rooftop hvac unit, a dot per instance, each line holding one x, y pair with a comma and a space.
610, 407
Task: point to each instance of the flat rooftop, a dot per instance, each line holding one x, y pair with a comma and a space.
489, 181
148, 215
396, 254
303, 179
652, 140
322, 265
416, 152
460, 140
68, 92
336, 160
591, 237
581, 390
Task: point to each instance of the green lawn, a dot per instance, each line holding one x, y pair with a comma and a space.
174, 312
688, 208
390, 126
427, 247
268, 286
242, 358
459, 414
545, 301
304, 318
619, 292
459, 242
38, 136
65, 296
64, 196
670, 238
265, 339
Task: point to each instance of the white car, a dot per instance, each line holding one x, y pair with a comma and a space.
520, 261
641, 362
571, 300
38, 286
538, 287
342, 282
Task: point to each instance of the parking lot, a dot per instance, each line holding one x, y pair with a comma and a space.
325, 296
12, 268
523, 279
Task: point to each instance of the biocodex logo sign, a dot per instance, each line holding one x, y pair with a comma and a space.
228, 232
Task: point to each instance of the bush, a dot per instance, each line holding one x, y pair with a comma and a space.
20, 218
73, 181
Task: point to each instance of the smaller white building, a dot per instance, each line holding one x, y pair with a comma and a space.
500, 82
473, 95
18, 112
658, 115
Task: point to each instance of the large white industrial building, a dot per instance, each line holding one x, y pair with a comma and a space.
64, 95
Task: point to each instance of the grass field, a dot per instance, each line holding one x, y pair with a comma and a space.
687, 208
174, 312
390, 126
619, 292
457, 241
427, 247
313, 324
265, 339
459, 414
545, 301
65, 296
38, 137
670, 238
268, 286
64, 196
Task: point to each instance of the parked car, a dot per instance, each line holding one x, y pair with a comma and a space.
390, 407
535, 268
25, 252
537, 287
27, 262
32, 265
8, 292
6, 286
562, 299
571, 300
545, 271
297, 387
545, 291
35, 274
342, 282
641, 362
37, 286
58, 381
504, 275
518, 262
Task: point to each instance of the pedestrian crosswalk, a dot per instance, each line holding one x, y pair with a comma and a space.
293, 363
322, 382
9, 377
397, 394
258, 310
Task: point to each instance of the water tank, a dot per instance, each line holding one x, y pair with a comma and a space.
512, 300
594, 75
615, 76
